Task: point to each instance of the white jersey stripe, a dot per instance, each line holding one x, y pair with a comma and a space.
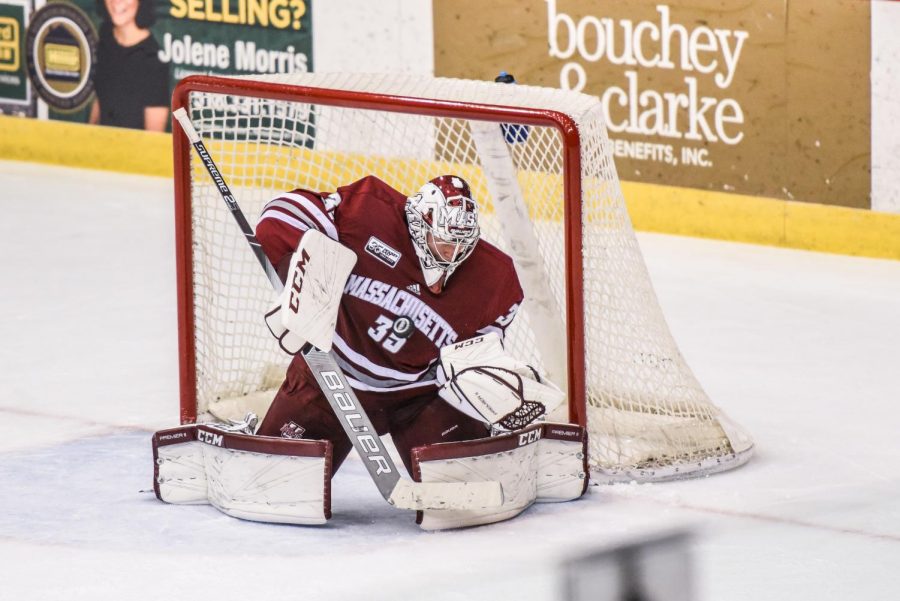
293, 210
315, 212
357, 385
361, 362
357, 374
489, 329
285, 218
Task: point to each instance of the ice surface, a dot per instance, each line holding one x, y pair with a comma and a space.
799, 348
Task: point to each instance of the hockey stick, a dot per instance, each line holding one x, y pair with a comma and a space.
397, 490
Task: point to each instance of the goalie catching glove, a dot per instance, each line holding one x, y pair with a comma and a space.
483, 381
307, 308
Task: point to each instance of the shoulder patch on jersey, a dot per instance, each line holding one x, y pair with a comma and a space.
332, 201
383, 252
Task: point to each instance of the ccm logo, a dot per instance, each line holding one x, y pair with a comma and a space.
297, 282
210, 438
469, 342
529, 437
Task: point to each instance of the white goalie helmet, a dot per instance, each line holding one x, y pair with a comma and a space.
443, 225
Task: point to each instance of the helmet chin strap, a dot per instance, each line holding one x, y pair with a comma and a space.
432, 275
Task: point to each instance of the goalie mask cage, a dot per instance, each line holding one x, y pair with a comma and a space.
540, 166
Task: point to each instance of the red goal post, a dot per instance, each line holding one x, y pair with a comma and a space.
274, 133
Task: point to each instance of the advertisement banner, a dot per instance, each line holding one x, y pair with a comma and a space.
116, 62
15, 93
754, 98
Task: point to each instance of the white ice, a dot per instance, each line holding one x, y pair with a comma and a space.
799, 348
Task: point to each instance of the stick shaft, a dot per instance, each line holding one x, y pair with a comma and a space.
228, 197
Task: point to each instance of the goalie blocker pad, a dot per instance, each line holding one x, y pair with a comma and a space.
259, 478
544, 462
308, 307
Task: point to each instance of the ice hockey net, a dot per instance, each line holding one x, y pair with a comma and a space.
538, 161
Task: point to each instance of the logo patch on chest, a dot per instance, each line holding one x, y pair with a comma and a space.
383, 252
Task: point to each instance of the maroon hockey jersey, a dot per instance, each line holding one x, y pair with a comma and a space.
368, 217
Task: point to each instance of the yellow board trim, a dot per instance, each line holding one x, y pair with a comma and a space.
86, 146
654, 208
769, 221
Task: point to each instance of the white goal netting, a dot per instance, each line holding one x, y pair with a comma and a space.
648, 417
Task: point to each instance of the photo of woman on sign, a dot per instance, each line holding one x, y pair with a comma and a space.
131, 82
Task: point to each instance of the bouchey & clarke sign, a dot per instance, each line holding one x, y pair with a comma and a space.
752, 98
696, 52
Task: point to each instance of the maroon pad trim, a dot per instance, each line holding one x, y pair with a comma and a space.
498, 444
556, 431
176, 435
328, 469
272, 445
477, 447
417, 477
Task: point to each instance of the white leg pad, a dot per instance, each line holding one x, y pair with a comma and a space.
562, 471
179, 472
257, 478
543, 462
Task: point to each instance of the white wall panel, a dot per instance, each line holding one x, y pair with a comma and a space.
362, 36
886, 106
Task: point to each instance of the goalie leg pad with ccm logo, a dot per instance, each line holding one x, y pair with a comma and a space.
259, 478
543, 462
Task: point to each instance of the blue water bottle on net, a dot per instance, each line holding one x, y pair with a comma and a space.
511, 132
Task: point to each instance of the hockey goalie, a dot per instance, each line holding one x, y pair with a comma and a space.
413, 306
